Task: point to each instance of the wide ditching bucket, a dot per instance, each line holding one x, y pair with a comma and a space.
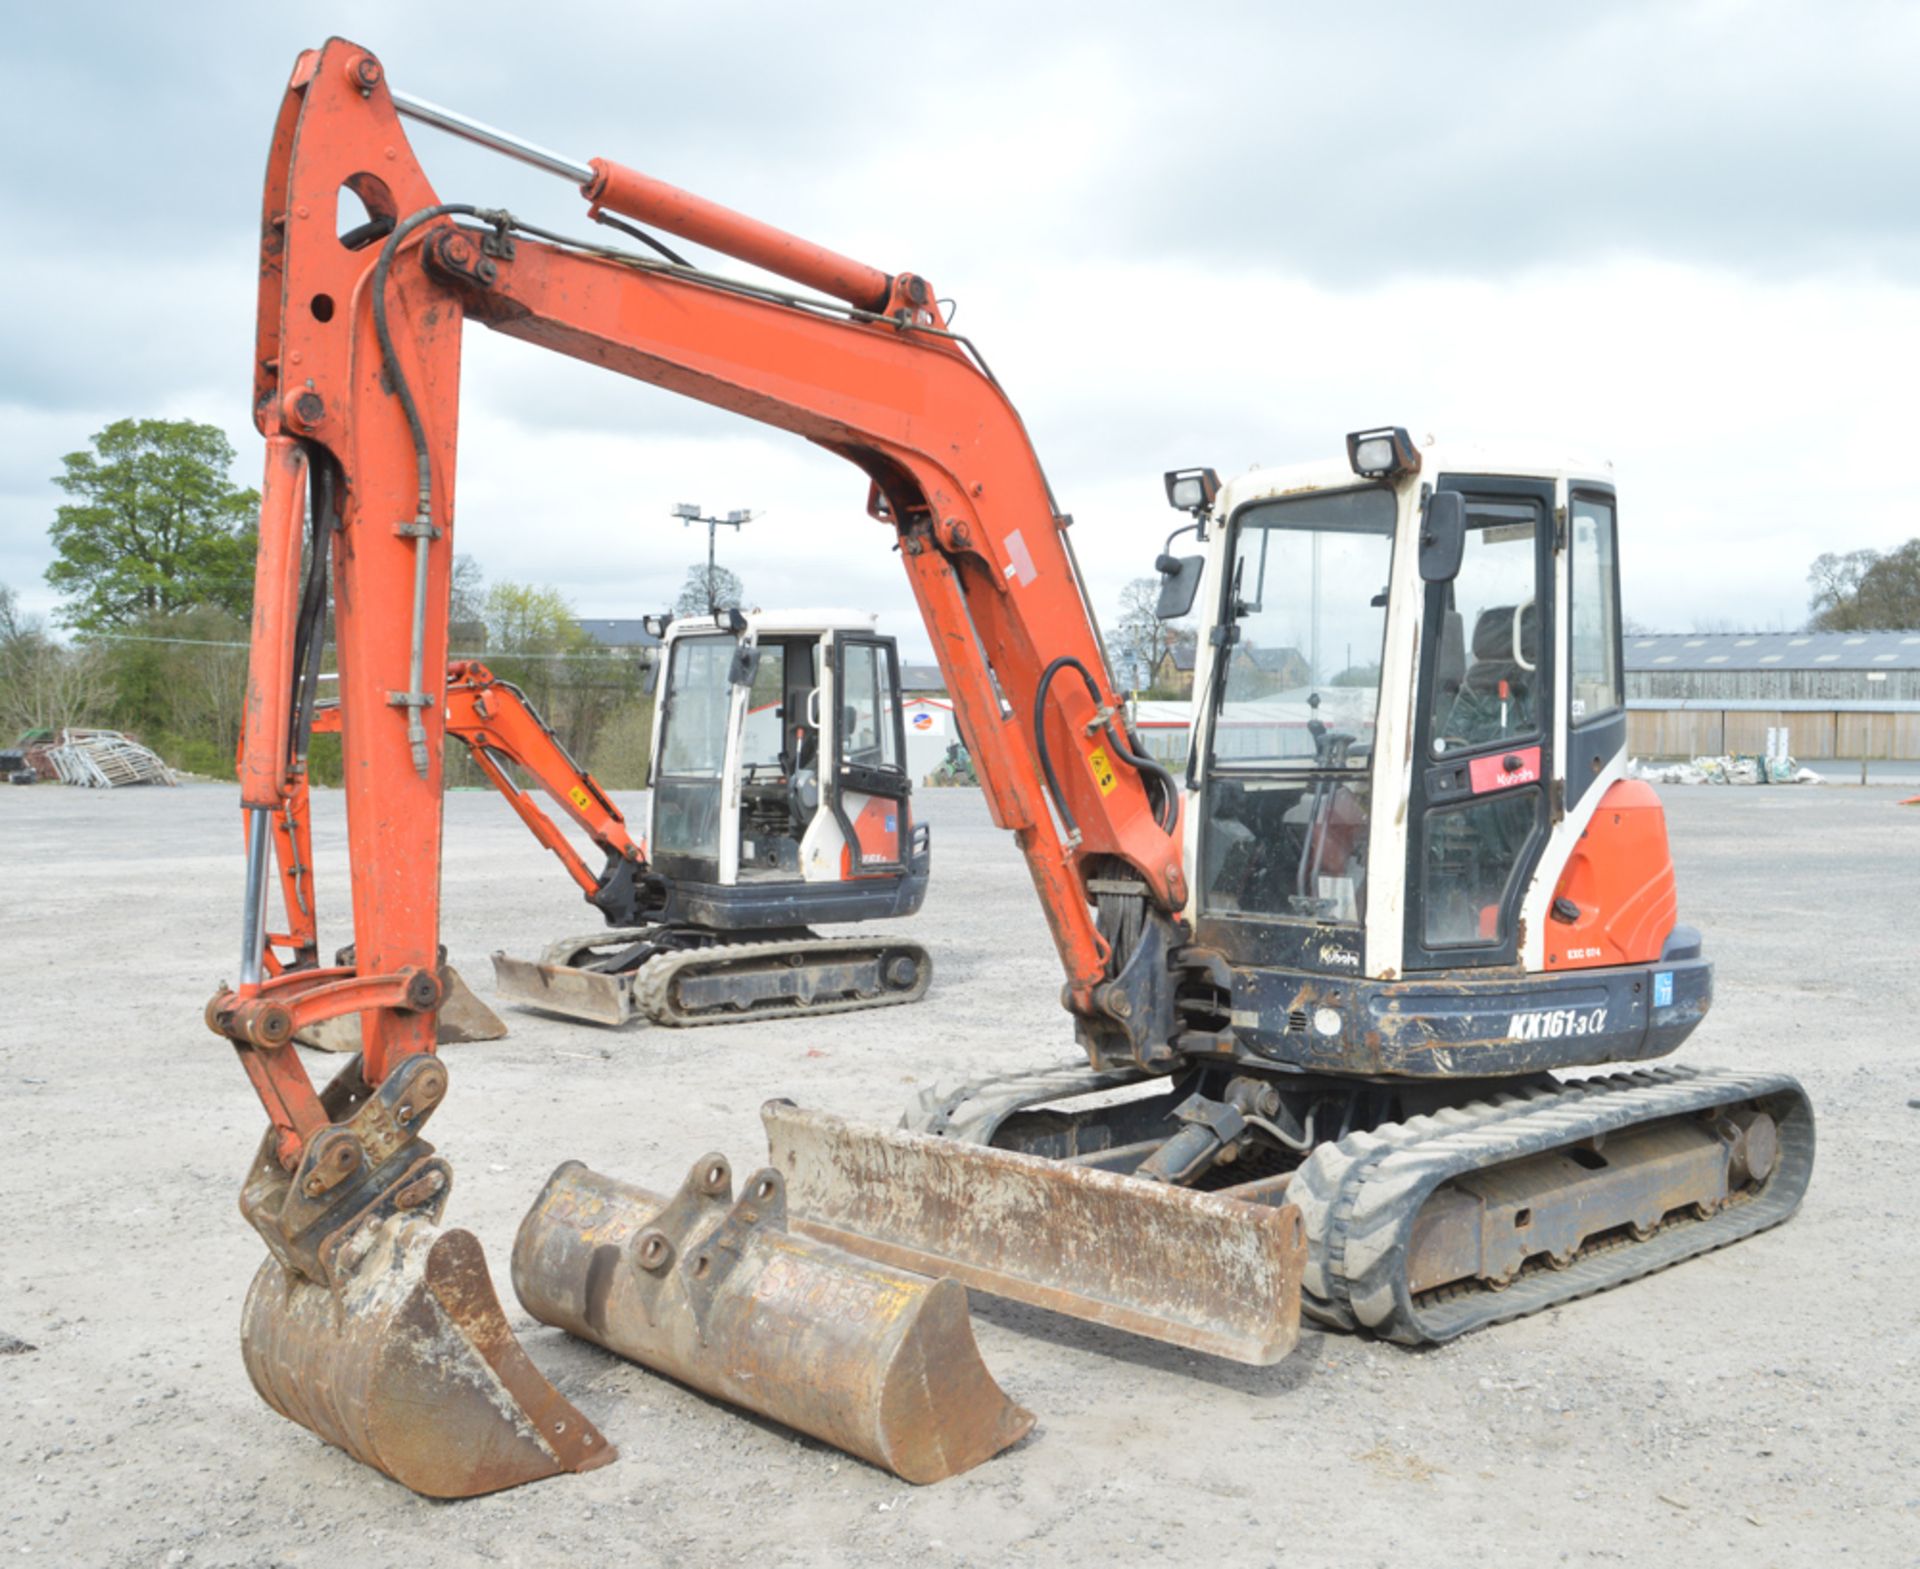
720, 1295
1199, 1270
408, 1364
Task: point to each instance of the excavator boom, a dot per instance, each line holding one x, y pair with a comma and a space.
356, 392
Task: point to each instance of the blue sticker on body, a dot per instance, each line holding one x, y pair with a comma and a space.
891, 821
1663, 989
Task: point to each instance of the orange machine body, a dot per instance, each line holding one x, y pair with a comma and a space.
1620, 877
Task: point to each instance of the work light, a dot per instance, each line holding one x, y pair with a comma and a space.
1387, 453
1192, 490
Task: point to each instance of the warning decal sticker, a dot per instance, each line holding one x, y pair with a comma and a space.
1102, 766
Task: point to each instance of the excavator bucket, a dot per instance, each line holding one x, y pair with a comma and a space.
408, 1364
463, 1017
1199, 1270
721, 1296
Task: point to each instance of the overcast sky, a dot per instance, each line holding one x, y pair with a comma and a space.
1681, 236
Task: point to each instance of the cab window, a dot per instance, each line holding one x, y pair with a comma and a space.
1487, 686
1595, 616
867, 707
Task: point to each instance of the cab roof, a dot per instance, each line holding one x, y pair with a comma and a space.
1521, 460
784, 623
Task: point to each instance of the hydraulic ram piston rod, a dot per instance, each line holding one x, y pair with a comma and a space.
641, 197
487, 136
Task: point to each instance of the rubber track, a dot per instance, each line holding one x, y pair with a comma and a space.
1359, 1197
652, 985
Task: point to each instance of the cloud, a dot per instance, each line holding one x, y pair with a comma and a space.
1220, 234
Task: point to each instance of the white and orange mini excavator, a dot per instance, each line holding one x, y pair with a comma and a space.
1325, 983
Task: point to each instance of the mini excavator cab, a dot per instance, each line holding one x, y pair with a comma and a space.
780, 789
1407, 712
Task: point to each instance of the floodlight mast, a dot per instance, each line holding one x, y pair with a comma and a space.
740, 517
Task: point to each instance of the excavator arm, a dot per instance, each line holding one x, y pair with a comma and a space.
370, 1324
357, 394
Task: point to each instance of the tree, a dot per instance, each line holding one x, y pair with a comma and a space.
467, 604
44, 685
1142, 640
698, 597
1866, 591
155, 526
1835, 580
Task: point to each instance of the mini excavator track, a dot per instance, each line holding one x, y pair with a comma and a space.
728, 982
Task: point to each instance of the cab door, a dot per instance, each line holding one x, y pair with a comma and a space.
686, 837
1484, 735
866, 788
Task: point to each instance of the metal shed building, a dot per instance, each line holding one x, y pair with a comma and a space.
1838, 694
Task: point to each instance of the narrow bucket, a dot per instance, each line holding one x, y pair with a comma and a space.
410, 1367
720, 1296
1199, 1270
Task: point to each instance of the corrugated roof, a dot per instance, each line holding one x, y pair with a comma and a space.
1656, 651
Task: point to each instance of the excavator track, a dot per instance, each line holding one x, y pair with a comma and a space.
1362, 1198
728, 982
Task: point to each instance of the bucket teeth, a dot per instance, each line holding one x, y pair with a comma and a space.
720, 1295
408, 1364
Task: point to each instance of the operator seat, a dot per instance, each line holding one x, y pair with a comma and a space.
1506, 655
803, 771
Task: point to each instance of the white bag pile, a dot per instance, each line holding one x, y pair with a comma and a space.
1723, 770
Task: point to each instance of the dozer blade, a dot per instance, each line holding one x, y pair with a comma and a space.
463, 1017
408, 1364
1194, 1269
589, 995
721, 1296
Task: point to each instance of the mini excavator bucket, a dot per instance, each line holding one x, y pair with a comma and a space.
1199, 1270
378, 1329
718, 1294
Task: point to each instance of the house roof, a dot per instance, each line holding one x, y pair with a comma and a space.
1656, 651
1275, 658
619, 632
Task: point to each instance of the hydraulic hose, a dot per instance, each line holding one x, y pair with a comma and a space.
1165, 810
415, 697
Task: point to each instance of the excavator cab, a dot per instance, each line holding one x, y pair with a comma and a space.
1394, 766
779, 759
780, 799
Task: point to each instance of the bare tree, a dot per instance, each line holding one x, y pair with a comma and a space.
46, 685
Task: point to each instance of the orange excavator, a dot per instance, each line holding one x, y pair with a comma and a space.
1325, 984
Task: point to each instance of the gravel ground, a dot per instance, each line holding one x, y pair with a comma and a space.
1755, 1406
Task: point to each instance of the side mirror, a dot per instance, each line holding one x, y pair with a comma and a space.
1179, 583
744, 658
1443, 536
